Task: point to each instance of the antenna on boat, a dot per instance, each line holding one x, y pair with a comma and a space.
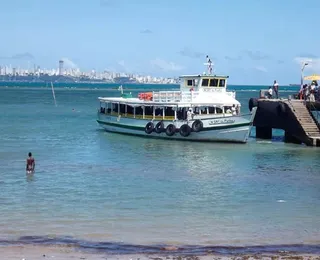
121, 89
209, 65
54, 96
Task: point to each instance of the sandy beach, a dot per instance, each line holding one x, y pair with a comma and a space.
30, 252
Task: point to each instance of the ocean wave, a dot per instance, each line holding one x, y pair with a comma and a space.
162, 249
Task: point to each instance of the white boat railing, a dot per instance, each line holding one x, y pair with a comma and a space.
174, 96
181, 96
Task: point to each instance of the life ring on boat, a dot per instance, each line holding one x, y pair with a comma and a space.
149, 128
159, 127
253, 102
185, 130
281, 109
197, 125
170, 130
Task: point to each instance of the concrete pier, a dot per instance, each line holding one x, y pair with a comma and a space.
290, 115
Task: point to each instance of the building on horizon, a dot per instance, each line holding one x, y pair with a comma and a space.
60, 67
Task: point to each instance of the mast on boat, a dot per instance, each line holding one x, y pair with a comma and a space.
209, 65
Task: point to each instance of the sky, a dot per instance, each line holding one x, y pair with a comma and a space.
252, 41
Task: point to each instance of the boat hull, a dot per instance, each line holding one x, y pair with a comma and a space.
232, 129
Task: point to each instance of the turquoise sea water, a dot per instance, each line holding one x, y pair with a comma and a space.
96, 189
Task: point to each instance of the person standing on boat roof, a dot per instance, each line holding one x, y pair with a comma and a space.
31, 163
276, 88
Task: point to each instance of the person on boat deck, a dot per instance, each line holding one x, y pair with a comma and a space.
270, 92
234, 110
31, 163
190, 114
306, 92
276, 88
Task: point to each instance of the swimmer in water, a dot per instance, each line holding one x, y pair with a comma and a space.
31, 163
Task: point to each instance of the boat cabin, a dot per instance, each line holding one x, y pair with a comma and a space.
151, 111
203, 82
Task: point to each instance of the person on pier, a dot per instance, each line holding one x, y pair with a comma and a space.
276, 88
269, 94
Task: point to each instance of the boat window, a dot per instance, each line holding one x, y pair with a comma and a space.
227, 109
148, 111
219, 110
115, 107
122, 109
158, 111
222, 82
182, 113
108, 108
139, 111
205, 82
203, 110
102, 108
189, 82
213, 82
130, 110
169, 111
211, 110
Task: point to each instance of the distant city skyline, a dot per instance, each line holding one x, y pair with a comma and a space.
254, 42
10, 73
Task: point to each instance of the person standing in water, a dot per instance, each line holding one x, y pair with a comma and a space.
31, 163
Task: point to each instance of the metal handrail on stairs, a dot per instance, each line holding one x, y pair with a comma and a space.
317, 118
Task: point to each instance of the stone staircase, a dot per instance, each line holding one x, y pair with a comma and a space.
306, 121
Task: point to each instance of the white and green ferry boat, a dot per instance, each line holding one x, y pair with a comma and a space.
202, 110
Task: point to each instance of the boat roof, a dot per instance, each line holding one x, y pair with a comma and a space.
205, 76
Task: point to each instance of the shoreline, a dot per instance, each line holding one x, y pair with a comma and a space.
37, 252
122, 248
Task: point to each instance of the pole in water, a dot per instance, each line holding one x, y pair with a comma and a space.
54, 96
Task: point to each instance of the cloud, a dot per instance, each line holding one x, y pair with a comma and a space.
146, 31
165, 65
67, 63
313, 63
187, 52
309, 55
121, 63
261, 69
233, 58
256, 55
19, 56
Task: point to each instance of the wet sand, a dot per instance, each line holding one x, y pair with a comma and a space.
30, 252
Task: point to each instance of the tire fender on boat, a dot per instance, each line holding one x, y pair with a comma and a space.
149, 128
185, 130
170, 130
253, 102
197, 125
159, 127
